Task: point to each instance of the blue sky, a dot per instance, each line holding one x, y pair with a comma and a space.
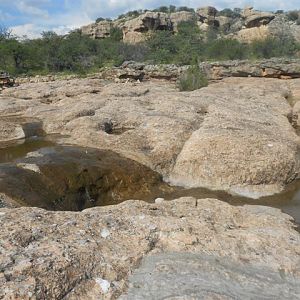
31, 17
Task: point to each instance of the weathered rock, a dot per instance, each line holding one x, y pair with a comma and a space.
70, 178
181, 16
280, 27
194, 276
245, 122
232, 141
248, 35
89, 255
98, 30
272, 68
206, 12
150, 21
247, 27
10, 132
254, 18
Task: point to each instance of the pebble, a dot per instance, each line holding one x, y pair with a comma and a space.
159, 200
104, 285
105, 233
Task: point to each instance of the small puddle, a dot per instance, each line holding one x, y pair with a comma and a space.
75, 178
18, 149
288, 200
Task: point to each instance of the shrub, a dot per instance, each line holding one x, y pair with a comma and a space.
185, 8
227, 12
116, 34
100, 20
192, 79
273, 47
293, 15
163, 9
225, 49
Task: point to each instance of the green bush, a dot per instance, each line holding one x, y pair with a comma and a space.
225, 49
185, 8
293, 15
227, 12
192, 79
273, 47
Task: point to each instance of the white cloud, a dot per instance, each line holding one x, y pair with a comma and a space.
27, 30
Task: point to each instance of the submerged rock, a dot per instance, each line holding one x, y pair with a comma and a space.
70, 178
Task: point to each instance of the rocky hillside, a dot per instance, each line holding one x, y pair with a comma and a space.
245, 25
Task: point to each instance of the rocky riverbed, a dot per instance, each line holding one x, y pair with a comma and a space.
91, 142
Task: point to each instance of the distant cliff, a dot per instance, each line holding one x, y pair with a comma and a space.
244, 25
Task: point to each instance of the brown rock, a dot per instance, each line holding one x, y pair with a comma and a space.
89, 255
245, 122
98, 30
10, 132
150, 21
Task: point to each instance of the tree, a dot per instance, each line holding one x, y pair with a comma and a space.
100, 20
185, 8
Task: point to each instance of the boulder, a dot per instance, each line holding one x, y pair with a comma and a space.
206, 12
98, 30
150, 21
235, 139
181, 16
248, 35
207, 15
281, 28
255, 18
10, 132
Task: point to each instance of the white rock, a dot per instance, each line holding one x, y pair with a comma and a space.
159, 200
105, 233
104, 285
31, 167
34, 154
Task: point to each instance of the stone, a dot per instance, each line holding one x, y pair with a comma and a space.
247, 27
178, 276
254, 18
159, 200
31, 167
150, 21
98, 30
198, 161
248, 35
56, 255
10, 132
206, 12
181, 16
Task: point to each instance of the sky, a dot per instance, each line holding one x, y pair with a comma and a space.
31, 17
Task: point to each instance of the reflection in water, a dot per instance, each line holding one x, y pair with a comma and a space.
288, 201
19, 149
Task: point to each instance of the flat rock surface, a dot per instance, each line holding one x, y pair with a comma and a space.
233, 135
90, 254
193, 276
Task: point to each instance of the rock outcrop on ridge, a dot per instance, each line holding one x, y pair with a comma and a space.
245, 25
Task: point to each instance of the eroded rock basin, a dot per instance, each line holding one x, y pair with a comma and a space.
236, 133
40, 173
57, 177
